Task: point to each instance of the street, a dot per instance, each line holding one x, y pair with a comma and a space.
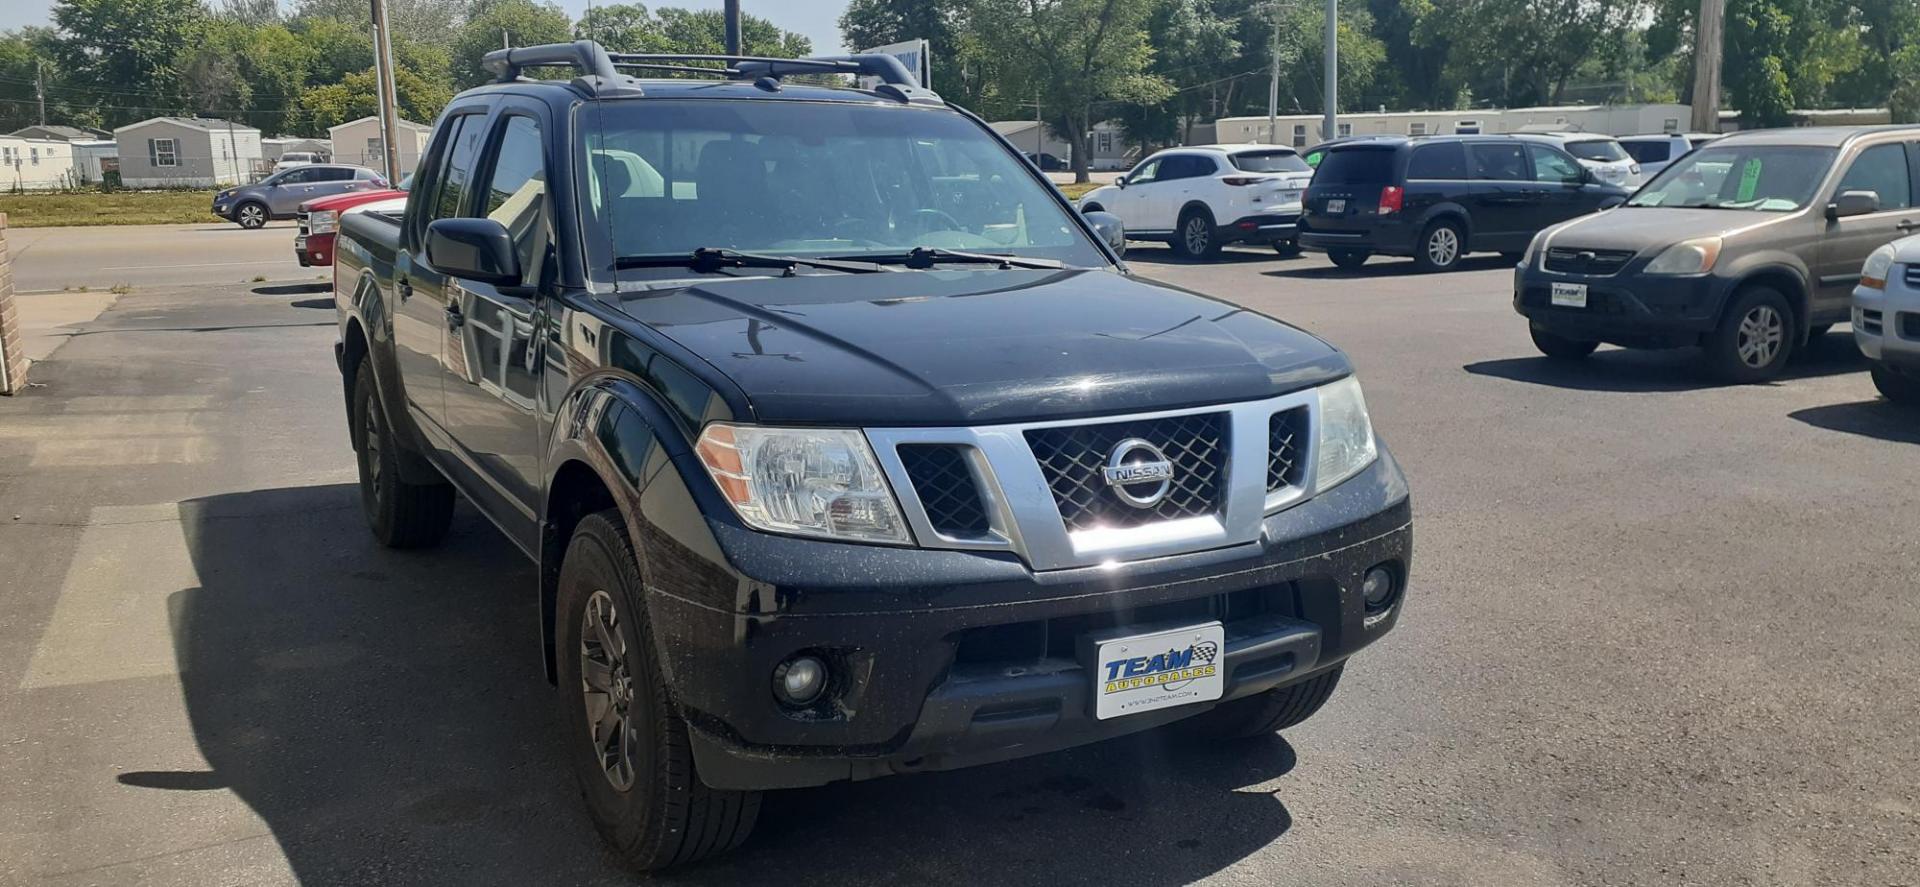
1660, 631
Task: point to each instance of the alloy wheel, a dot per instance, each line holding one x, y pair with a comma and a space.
1197, 235
608, 686
252, 216
373, 440
1443, 246
1762, 333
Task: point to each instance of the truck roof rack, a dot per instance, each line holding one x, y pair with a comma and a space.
597, 65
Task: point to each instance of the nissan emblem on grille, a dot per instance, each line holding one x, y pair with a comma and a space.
1136, 463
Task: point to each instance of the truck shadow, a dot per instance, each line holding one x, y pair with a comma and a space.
384, 713
1680, 369
1874, 418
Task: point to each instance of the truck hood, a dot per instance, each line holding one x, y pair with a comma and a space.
1644, 228
973, 347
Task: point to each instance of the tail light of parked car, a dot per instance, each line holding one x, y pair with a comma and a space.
1244, 180
1392, 197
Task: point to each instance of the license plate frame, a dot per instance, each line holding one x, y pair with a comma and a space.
1337, 205
1568, 295
1134, 672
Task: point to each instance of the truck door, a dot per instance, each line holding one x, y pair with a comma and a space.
420, 317
1845, 243
494, 364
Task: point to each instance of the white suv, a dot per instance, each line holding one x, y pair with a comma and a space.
1201, 198
1886, 318
1654, 152
1601, 153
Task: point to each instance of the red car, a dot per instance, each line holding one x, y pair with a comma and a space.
320, 220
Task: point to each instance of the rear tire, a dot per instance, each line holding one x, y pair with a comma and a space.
1560, 347
1264, 714
1896, 386
1441, 247
1195, 237
401, 514
1348, 259
624, 740
1755, 337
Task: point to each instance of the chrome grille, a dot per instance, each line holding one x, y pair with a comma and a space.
1286, 445
1072, 458
1573, 260
1912, 275
946, 488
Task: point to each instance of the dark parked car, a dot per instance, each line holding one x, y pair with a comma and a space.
826, 481
1747, 247
1048, 162
279, 196
1438, 198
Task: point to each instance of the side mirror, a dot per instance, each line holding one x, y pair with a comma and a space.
1854, 203
1110, 229
479, 250
1121, 181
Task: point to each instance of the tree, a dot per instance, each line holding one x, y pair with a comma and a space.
1084, 59
519, 22
870, 23
1194, 42
1904, 69
128, 52
705, 31
622, 27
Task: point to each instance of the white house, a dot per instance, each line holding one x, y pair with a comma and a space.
187, 152
35, 164
358, 142
1301, 130
1109, 148
93, 159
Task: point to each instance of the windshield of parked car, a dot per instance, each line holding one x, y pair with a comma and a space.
1767, 178
1602, 150
1270, 161
667, 177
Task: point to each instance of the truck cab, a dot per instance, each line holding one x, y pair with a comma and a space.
844, 446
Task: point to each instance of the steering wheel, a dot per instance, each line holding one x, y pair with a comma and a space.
952, 224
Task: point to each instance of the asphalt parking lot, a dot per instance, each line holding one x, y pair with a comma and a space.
1660, 632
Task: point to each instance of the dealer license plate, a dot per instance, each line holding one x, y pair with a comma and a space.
1147, 672
1291, 195
300, 241
1336, 206
1570, 295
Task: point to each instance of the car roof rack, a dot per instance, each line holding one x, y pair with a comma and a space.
598, 67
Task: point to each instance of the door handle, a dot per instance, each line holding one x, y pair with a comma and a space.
455, 319
1907, 225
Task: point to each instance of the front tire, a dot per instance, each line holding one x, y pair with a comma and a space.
401, 514
1754, 339
1441, 247
1896, 386
251, 215
1195, 238
1560, 347
1348, 259
626, 743
1264, 714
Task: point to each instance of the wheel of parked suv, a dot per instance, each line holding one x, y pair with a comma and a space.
1755, 337
1195, 238
250, 214
1560, 347
1441, 246
1348, 259
1266, 713
624, 740
1896, 385
401, 514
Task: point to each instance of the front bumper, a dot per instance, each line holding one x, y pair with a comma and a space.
948, 659
1886, 323
1627, 308
314, 249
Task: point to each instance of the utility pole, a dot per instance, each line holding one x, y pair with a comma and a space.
1273, 81
40, 87
733, 27
1329, 124
1708, 42
1039, 130
383, 72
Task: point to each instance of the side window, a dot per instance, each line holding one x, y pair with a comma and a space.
463, 143
516, 192
1498, 161
1441, 160
1649, 151
1881, 169
335, 174
1552, 166
1179, 166
1144, 173
295, 177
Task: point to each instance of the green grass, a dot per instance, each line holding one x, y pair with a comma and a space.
107, 208
1074, 192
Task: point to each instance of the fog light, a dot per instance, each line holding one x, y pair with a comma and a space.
1378, 588
800, 680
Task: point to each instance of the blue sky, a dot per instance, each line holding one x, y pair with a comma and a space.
818, 19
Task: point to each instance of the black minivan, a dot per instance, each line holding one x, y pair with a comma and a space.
1438, 198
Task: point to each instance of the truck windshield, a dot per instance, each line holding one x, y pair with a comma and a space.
667, 177
1767, 178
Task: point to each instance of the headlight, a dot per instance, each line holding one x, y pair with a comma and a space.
1687, 257
322, 221
1873, 275
803, 481
1346, 434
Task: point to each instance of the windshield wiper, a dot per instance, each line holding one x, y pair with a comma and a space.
922, 257
707, 260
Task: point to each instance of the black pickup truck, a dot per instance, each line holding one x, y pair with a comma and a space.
844, 446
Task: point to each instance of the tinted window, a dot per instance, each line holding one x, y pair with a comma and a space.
463, 142
1603, 150
332, 174
293, 177
1649, 152
1185, 166
1441, 160
1505, 162
516, 193
1270, 161
1769, 178
1881, 169
1552, 166
1355, 166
